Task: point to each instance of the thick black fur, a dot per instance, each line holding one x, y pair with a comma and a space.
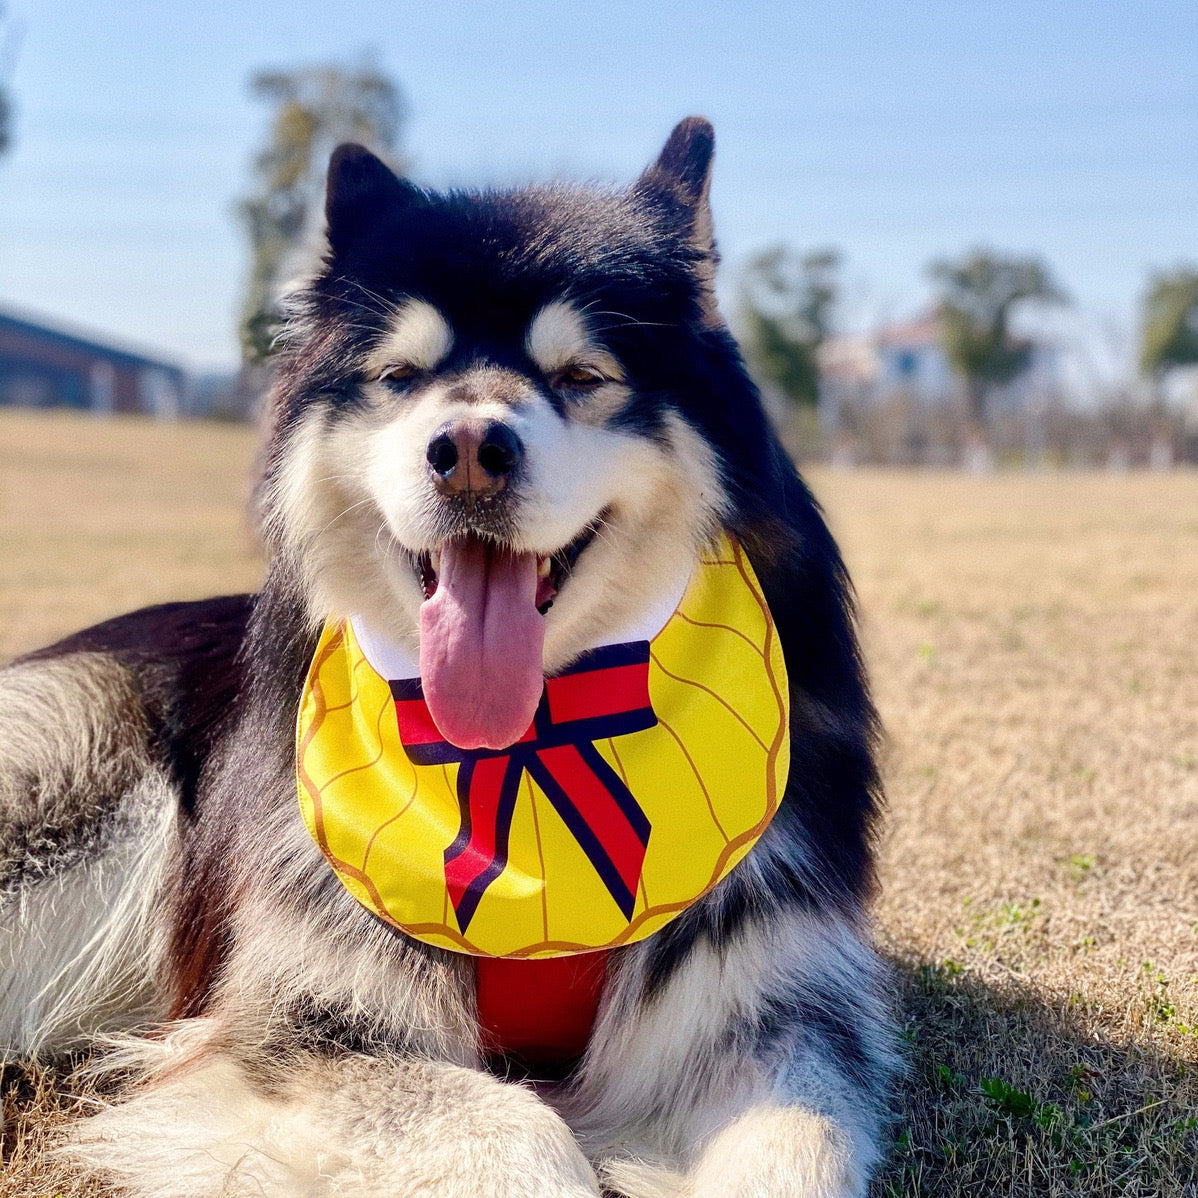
186, 663
756, 1019
489, 261
224, 677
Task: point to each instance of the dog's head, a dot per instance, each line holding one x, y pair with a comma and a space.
484, 446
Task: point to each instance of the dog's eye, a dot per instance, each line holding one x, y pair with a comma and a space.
396, 372
577, 377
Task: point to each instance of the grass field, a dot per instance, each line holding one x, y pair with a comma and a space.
1033, 642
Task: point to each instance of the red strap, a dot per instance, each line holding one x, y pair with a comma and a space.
606, 694
601, 810
611, 691
541, 1011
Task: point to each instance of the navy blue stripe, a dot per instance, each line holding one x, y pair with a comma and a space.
508, 793
630, 653
614, 785
441, 752
403, 689
581, 831
548, 736
465, 776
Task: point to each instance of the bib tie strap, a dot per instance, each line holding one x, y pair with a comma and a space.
604, 694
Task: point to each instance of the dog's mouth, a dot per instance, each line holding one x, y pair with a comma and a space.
482, 633
552, 569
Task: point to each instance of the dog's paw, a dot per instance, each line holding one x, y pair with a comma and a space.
769, 1152
639, 1178
776, 1152
359, 1128
441, 1131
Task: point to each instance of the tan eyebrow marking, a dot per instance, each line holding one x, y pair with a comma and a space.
558, 336
418, 336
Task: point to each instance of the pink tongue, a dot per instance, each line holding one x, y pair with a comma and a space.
480, 645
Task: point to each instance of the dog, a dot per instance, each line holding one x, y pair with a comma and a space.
531, 392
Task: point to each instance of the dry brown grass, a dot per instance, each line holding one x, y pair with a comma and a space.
100, 516
1034, 647
36, 1103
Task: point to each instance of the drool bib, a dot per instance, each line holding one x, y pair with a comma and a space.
650, 770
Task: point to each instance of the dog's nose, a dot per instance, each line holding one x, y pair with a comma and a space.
467, 457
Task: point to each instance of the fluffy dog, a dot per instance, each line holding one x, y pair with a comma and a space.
534, 390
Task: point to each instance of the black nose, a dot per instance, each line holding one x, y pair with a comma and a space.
442, 454
466, 457
500, 451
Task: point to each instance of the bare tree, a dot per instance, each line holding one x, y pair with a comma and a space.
10, 36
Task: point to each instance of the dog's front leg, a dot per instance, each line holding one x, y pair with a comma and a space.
774, 1150
758, 1069
357, 1126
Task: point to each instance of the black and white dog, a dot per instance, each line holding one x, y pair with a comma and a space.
156, 873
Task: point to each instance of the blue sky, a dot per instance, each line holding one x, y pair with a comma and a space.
897, 132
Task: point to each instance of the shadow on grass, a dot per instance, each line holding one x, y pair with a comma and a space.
1008, 1094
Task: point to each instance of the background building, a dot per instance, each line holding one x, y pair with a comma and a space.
47, 366
908, 358
891, 396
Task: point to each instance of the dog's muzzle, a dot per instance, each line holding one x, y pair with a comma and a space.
470, 459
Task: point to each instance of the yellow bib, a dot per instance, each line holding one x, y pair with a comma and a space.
651, 769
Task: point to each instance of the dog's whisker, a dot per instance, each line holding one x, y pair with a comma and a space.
389, 306
346, 512
632, 321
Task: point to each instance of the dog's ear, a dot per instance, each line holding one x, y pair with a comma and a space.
362, 191
685, 160
683, 171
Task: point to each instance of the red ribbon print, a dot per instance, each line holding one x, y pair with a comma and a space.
604, 694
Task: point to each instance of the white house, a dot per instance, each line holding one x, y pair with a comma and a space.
907, 359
